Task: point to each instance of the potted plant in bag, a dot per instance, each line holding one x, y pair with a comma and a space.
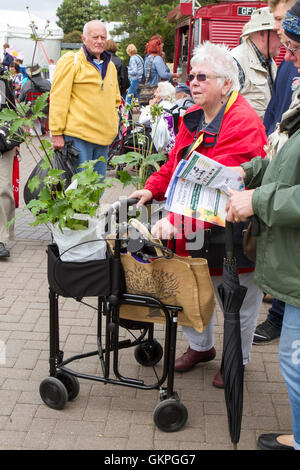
72, 213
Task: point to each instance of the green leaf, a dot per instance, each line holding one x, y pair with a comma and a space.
34, 183
45, 164
39, 105
44, 195
120, 159
7, 115
156, 157
125, 177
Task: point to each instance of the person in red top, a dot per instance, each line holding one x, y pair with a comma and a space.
224, 127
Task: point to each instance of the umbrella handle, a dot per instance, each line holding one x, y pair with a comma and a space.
229, 240
255, 229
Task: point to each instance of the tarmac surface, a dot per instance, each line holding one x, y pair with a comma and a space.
107, 416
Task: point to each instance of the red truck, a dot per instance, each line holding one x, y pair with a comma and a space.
220, 22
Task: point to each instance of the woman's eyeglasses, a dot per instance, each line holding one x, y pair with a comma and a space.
292, 51
201, 77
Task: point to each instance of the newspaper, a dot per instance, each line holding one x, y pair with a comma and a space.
199, 189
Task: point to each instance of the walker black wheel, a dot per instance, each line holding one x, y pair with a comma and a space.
170, 415
70, 382
148, 353
53, 393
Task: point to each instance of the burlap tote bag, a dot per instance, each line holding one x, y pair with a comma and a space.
178, 281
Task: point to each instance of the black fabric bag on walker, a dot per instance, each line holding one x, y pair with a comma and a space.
63, 159
72, 279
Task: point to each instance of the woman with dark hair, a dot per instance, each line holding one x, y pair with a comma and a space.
17, 79
158, 69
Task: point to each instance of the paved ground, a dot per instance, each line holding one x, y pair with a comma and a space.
110, 417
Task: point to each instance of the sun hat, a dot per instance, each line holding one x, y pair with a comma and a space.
34, 70
261, 20
183, 87
291, 22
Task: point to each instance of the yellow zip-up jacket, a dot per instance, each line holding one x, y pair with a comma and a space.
82, 104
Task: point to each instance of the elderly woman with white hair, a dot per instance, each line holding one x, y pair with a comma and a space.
224, 127
162, 127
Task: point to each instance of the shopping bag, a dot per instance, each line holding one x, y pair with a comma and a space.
179, 281
81, 245
63, 159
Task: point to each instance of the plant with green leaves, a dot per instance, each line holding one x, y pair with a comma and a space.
21, 118
141, 161
54, 204
57, 204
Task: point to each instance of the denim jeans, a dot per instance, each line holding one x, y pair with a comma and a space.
89, 151
134, 88
289, 360
276, 312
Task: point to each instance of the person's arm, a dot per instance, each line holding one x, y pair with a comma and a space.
161, 68
254, 171
133, 68
277, 204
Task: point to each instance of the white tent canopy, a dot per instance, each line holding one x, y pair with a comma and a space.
16, 31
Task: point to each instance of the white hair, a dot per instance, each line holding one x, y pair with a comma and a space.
167, 91
219, 57
89, 23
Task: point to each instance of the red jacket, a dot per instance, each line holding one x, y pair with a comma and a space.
232, 138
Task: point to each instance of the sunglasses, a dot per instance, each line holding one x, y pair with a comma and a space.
201, 77
292, 51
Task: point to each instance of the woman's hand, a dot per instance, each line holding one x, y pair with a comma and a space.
163, 229
239, 207
144, 195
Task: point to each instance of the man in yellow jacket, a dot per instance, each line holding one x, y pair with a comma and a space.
85, 97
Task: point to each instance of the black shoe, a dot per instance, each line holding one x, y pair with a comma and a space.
265, 333
4, 253
270, 442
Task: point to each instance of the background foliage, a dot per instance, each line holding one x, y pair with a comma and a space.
140, 20
73, 14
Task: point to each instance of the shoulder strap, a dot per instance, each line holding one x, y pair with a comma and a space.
149, 70
199, 140
75, 57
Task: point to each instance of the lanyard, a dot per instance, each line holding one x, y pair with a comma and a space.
199, 140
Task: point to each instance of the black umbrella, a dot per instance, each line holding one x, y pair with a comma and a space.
232, 295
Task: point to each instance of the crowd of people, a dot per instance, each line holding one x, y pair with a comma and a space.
237, 107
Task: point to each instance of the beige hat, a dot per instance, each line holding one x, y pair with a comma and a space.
34, 70
261, 20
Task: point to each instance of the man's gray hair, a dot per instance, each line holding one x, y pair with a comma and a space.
218, 56
86, 26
